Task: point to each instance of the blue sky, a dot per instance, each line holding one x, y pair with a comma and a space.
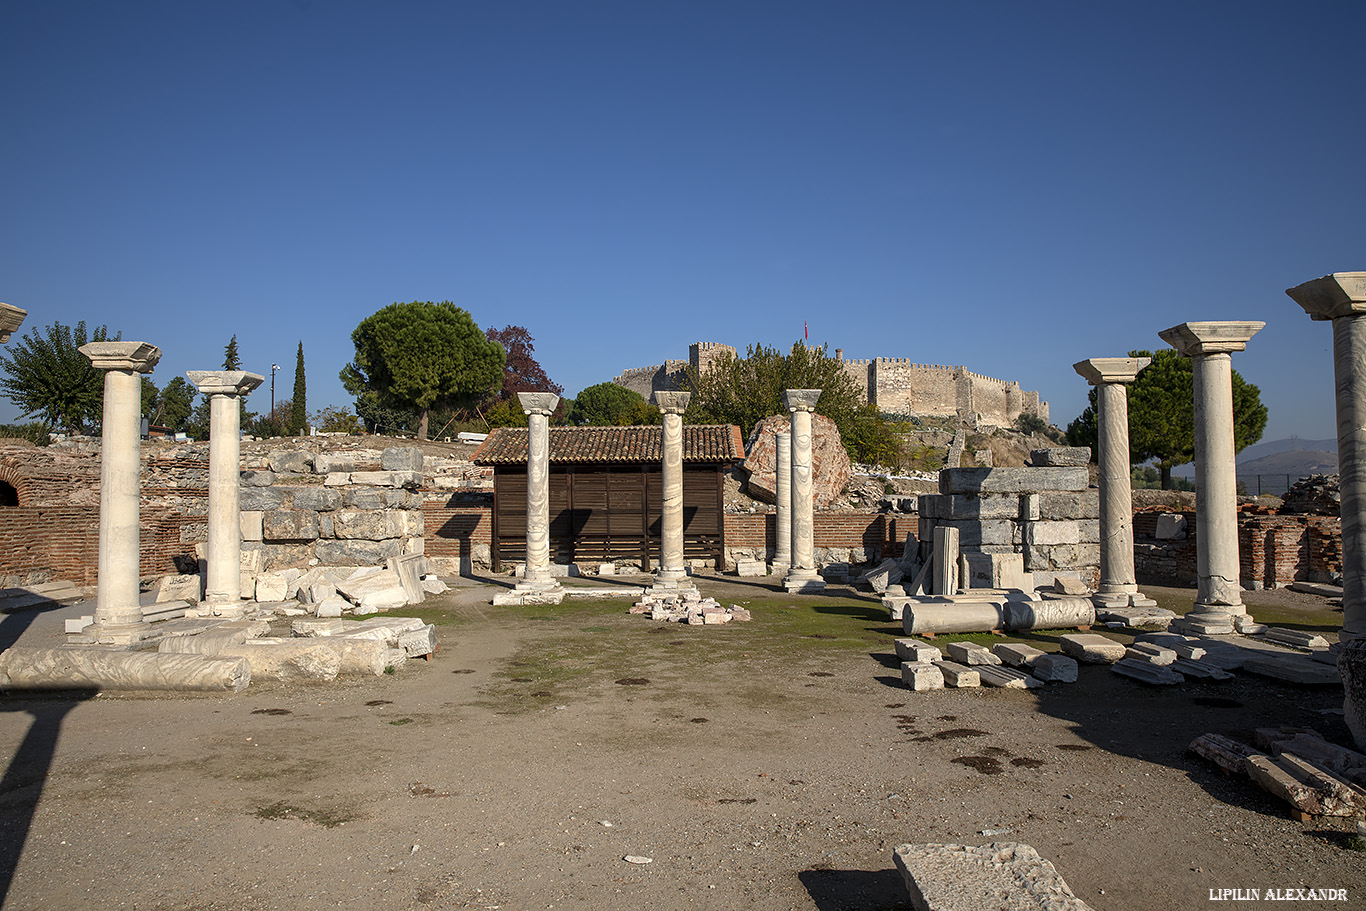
1009, 186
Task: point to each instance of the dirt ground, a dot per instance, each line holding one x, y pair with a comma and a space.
769, 765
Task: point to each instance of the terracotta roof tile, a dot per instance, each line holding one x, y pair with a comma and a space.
701, 443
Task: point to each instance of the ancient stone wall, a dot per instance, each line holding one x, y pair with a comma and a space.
840, 537
343, 506
1050, 515
895, 385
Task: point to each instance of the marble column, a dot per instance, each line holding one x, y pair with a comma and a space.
802, 576
224, 389
118, 613
1219, 602
782, 487
538, 407
1118, 587
1341, 298
11, 318
672, 573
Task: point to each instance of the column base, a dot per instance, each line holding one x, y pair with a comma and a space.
230, 610
672, 578
1352, 669
1213, 620
545, 583
118, 633
1116, 599
777, 568
800, 581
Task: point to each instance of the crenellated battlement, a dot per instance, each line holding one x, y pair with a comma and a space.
894, 384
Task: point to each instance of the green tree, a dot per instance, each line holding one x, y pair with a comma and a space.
1162, 414
46, 375
298, 415
505, 413
151, 398
746, 390
610, 405
230, 359
336, 420
176, 404
422, 355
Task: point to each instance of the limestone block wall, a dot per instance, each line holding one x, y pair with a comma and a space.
1049, 515
351, 507
300, 508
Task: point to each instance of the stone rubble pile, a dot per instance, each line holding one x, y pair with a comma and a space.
687, 606
1298, 765
1316, 495
1157, 658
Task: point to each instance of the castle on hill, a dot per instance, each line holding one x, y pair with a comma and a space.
894, 384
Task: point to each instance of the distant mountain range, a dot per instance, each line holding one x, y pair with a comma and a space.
1292, 456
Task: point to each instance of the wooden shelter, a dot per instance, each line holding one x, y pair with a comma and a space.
606, 491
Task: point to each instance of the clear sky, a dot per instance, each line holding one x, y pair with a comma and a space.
1009, 186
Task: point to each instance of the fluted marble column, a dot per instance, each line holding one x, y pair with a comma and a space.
538, 407
1219, 602
1341, 297
11, 318
224, 389
118, 613
1110, 375
802, 576
782, 488
672, 570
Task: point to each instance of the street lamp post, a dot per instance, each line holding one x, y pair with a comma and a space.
273, 368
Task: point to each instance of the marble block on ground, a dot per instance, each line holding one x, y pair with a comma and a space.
1151, 652
1006, 677
1092, 648
921, 676
971, 654
1145, 672
957, 675
915, 650
1002, 876
1017, 654
1054, 669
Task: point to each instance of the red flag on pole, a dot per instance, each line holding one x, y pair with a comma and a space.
805, 335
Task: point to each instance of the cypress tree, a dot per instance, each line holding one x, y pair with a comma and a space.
298, 413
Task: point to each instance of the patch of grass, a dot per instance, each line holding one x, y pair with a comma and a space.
401, 721
328, 819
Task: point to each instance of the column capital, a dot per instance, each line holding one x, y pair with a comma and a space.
801, 399
137, 356
672, 402
1102, 370
1339, 294
1217, 337
538, 402
11, 318
224, 382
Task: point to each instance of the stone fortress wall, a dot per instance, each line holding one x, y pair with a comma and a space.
895, 385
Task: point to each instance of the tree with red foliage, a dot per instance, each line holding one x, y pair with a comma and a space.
521, 373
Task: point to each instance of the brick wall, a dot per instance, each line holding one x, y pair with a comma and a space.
859, 537
458, 537
1272, 550
43, 543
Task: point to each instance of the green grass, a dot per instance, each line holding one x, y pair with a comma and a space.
595, 643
